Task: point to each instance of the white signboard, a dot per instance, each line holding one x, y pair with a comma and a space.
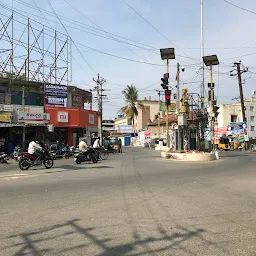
7, 108
63, 117
91, 119
27, 117
125, 129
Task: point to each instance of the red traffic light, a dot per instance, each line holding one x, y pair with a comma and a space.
167, 97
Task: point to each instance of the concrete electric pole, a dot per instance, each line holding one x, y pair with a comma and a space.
239, 73
99, 81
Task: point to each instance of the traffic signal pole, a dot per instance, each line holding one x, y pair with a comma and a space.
167, 118
158, 120
212, 109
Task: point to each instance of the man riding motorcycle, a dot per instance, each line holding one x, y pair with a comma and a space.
34, 148
83, 147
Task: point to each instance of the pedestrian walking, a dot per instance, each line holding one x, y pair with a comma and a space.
120, 146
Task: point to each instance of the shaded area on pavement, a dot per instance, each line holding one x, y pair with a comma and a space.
29, 243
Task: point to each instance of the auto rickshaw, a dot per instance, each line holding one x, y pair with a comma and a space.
228, 143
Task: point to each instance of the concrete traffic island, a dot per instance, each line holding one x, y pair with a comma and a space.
191, 156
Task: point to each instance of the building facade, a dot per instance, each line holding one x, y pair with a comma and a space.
232, 113
40, 109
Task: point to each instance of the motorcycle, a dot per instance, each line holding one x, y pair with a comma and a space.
3, 158
58, 152
91, 155
27, 160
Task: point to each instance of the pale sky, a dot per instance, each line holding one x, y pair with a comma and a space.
229, 33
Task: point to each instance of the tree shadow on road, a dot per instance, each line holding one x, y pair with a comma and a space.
31, 243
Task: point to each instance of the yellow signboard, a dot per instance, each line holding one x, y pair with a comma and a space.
5, 117
171, 108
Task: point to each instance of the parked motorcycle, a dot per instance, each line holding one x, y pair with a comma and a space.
27, 160
91, 155
3, 158
16, 153
60, 151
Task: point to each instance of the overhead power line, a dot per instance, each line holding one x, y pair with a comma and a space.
159, 32
239, 7
88, 64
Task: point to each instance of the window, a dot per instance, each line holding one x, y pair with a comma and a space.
251, 108
233, 119
252, 118
252, 128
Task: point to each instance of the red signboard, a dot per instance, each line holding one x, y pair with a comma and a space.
71, 117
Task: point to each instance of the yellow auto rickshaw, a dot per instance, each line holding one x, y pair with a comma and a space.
228, 143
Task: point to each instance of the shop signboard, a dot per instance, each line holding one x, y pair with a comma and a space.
91, 119
63, 117
238, 130
171, 108
77, 101
5, 117
56, 95
6, 108
37, 118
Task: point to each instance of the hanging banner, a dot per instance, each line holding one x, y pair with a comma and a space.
56, 95
238, 130
50, 127
77, 101
171, 108
2, 98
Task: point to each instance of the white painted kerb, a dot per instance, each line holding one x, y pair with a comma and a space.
192, 157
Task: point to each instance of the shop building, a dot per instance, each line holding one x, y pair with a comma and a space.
70, 124
38, 96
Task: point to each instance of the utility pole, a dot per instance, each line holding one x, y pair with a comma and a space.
24, 125
158, 120
239, 73
99, 81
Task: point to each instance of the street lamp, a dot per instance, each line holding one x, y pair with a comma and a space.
167, 54
211, 60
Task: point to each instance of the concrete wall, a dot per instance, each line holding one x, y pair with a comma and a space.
225, 113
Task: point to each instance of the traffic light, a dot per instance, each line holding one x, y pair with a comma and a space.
216, 113
167, 97
210, 92
165, 81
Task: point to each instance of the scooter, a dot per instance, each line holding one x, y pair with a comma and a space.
91, 155
3, 158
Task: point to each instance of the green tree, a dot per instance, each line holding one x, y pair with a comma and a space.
131, 96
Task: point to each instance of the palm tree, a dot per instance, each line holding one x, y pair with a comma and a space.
131, 96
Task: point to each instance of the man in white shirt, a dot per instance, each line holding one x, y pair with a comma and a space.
83, 147
34, 148
96, 143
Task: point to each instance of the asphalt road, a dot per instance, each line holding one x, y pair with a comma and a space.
132, 204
